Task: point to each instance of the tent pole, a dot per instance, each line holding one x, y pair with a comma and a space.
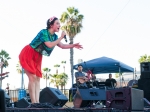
120, 77
134, 73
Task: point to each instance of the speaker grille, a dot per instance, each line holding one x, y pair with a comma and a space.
53, 96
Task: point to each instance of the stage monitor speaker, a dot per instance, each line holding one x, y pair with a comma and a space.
145, 67
7, 100
85, 97
22, 103
2, 101
125, 98
145, 70
144, 84
53, 96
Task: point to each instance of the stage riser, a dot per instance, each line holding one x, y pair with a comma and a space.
72, 110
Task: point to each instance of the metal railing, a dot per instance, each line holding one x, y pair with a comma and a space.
14, 94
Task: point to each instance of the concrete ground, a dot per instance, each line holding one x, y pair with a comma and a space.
69, 104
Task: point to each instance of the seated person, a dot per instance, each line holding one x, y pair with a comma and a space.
93, 77
80, 77
112, 81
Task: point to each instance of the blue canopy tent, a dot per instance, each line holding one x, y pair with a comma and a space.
104, 65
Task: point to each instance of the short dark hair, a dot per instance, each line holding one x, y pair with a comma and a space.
110, 74
49, 23
80, 65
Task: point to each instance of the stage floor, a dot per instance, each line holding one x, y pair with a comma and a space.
68, 110
68, 107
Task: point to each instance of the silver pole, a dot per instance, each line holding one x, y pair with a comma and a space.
135, 74
22, 81
120, 77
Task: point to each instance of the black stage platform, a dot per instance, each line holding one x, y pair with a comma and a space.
70, 110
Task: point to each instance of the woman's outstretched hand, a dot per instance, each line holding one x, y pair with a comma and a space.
78, 46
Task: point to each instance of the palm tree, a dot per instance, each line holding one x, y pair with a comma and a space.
20, 71
46, 74
144, 58
63, 77
4, 57
117, 75
63, 62
56, 66
72, 24
19, 68
55, 79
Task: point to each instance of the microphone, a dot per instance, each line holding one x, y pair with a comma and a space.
65, 38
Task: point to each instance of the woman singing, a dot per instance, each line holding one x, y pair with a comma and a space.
31, 55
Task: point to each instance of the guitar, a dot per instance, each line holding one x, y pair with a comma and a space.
82, 80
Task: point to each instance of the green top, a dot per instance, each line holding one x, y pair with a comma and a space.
38, 42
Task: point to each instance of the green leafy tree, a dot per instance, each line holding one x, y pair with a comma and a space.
4, 57
144, 58
63, 62
46, 74
57, 66
72, 24
55, 80
63, 78
117, 75
19, 68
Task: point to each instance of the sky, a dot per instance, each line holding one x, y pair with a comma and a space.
118, 29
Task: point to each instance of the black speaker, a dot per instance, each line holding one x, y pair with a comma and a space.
85, 97
145, 70
7, 100
22, 103
125, 98
2, 101
53, 96
144, 84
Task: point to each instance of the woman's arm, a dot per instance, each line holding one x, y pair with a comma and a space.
52, 44
68, 46
65, 46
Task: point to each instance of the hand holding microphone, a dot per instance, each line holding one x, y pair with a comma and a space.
63, 35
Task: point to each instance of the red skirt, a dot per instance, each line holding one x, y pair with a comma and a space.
31, 60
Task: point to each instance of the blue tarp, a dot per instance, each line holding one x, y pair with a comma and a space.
104, 65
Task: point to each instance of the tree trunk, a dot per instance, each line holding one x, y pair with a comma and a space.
71, 61
1, 77
62, 89
56, 71
2, 69
64, 72
64, 68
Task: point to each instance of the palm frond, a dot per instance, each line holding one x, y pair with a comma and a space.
4, 56
70, 10
72, 22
